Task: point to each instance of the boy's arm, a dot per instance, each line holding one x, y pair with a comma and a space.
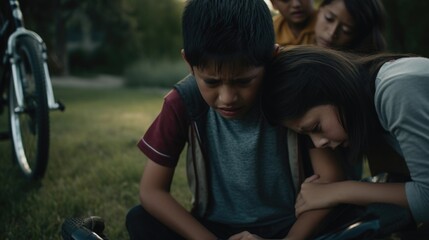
155, 197
326, 164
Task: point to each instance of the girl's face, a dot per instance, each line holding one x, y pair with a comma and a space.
323, 125
334, 26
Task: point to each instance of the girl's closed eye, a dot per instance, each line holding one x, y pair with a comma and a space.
346, 30
329, 17
316, 128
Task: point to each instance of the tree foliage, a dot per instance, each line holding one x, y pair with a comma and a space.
160, 25
126, 30
131, 29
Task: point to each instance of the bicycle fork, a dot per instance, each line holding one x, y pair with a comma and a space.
52, 104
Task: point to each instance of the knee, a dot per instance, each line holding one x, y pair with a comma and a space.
133, 217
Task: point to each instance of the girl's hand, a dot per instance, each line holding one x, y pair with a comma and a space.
314, 195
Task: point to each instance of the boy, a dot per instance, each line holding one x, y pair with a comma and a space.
243, 177
294, 25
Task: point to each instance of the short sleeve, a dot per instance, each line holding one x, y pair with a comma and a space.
165, 138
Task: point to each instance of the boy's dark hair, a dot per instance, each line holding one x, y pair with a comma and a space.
227, 32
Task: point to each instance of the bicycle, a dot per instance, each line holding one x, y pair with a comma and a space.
26, 90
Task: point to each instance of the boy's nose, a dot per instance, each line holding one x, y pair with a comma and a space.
227, 95
296, 3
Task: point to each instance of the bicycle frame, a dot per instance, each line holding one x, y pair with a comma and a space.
26, 90
20, 30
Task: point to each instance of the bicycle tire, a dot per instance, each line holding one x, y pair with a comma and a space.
29, 127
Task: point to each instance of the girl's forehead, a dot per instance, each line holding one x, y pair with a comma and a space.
339, 8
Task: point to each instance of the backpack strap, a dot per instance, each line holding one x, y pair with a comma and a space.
196, 166
195, 104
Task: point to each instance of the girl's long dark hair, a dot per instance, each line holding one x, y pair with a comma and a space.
303, 77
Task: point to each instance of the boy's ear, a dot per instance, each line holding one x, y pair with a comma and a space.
186, 61
276, 49
183, 55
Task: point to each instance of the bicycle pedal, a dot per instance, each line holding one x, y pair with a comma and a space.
61, 106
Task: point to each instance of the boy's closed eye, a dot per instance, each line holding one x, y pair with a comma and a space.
211, 82
243, 81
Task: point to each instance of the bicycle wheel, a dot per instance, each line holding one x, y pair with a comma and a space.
29, 126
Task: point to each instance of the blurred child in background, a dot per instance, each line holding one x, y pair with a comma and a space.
294, 25
351, 25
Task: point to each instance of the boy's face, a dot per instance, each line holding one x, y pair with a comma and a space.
294, 11
229, 91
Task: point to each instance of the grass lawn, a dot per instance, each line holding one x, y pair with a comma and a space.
94, 165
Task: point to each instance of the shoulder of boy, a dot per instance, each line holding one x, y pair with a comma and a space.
191, 96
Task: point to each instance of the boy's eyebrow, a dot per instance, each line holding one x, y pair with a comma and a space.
210, 78
238, 76
230, 80
233, 78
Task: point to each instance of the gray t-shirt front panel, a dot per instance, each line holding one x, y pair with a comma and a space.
402, 104
250, 175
